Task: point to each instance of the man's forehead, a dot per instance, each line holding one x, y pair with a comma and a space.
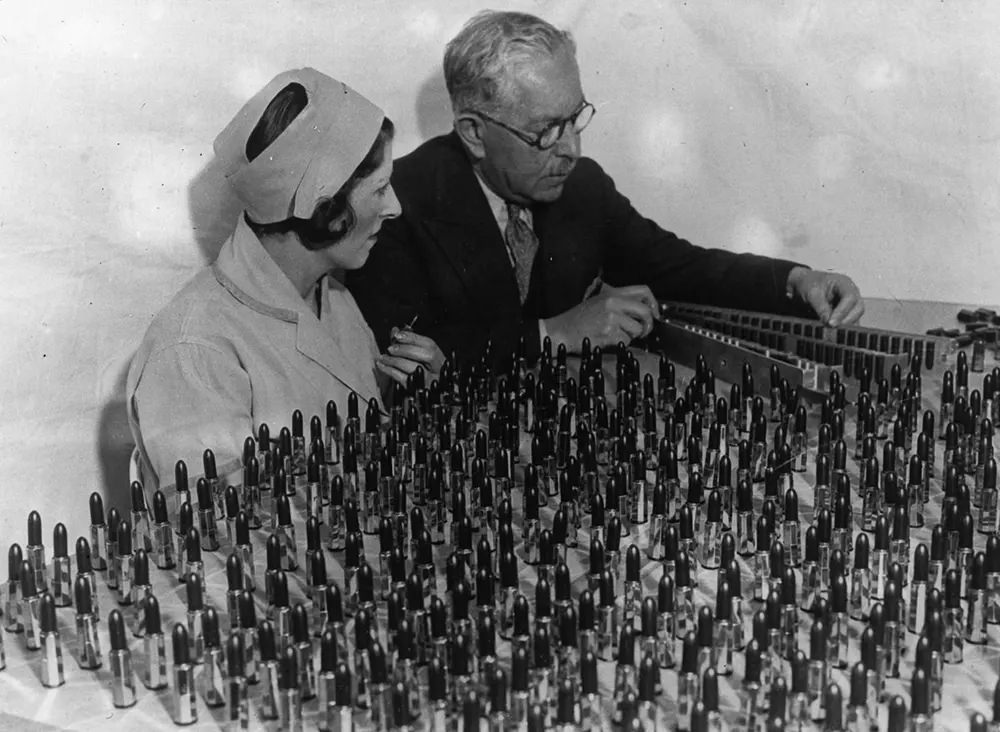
548, 88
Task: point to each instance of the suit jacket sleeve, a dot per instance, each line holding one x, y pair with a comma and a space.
637, 250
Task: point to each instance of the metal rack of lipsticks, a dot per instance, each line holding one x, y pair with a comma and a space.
538, 549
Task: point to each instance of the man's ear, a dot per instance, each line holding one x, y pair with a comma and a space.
470, 129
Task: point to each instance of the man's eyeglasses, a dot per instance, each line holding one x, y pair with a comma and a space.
552, 133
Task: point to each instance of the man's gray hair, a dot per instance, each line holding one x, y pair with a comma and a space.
479, 62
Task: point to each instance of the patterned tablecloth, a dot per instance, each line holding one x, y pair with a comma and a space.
85, 702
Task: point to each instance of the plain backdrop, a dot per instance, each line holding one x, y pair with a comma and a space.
845, 134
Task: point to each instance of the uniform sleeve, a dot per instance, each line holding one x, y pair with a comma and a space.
190, 397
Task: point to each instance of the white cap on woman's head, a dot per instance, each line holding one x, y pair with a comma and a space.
311, 159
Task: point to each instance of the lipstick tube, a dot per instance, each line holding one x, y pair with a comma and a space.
124, 564
762, 569
142, 589
237, 697
207, 528
858, 718
684, 612
976, 602
303, 652
837, 640
250, 636
88, 654
688, 683
12, 609
232, 502
162, 535
98, 531
213, 686
289, 699
818, 672
195, 617
753, 694
890, 640
234, 588
120, 660
285, 531
789, 613
154, 669
860, 601
62, 577
327, 683
268, 668
30, 600
139, 516
336, 528
51, 645
608, 622
723, 632
182, 693
712, 532
792, 530
34, 551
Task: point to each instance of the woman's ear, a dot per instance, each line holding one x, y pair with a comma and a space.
339, 226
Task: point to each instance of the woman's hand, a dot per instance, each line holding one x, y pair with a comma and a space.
406, 352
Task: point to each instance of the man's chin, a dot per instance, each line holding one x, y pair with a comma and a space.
551, 192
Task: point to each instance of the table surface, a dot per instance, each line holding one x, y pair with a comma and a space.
84, 702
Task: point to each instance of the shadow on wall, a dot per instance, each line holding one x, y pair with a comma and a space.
434, 115
213, 209
115, 443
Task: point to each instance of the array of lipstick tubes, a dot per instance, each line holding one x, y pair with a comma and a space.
646, 466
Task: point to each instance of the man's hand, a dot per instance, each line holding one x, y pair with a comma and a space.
834, 297
615, 314
406, 352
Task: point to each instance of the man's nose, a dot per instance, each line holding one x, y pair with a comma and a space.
568, 144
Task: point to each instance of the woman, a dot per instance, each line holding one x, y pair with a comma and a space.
265, 330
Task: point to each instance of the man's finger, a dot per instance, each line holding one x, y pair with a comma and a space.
632, 327
638, 292
845, 306
855, 313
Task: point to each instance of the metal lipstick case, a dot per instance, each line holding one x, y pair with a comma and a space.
711, 539
12, 608
98, 532
154, 670
62, 576
285, 531
120, 661
88, 653
51, 645
207, 527
182, 693
30, 610
977, 602
746, 545
162, 534
34, 551
237, 699
213, 688
195, 617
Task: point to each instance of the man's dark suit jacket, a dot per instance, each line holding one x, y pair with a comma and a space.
444, 259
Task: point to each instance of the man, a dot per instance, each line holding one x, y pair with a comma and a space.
508, 234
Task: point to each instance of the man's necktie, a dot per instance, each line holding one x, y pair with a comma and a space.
523, 245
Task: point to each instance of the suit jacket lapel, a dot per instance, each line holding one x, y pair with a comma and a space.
463, 227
